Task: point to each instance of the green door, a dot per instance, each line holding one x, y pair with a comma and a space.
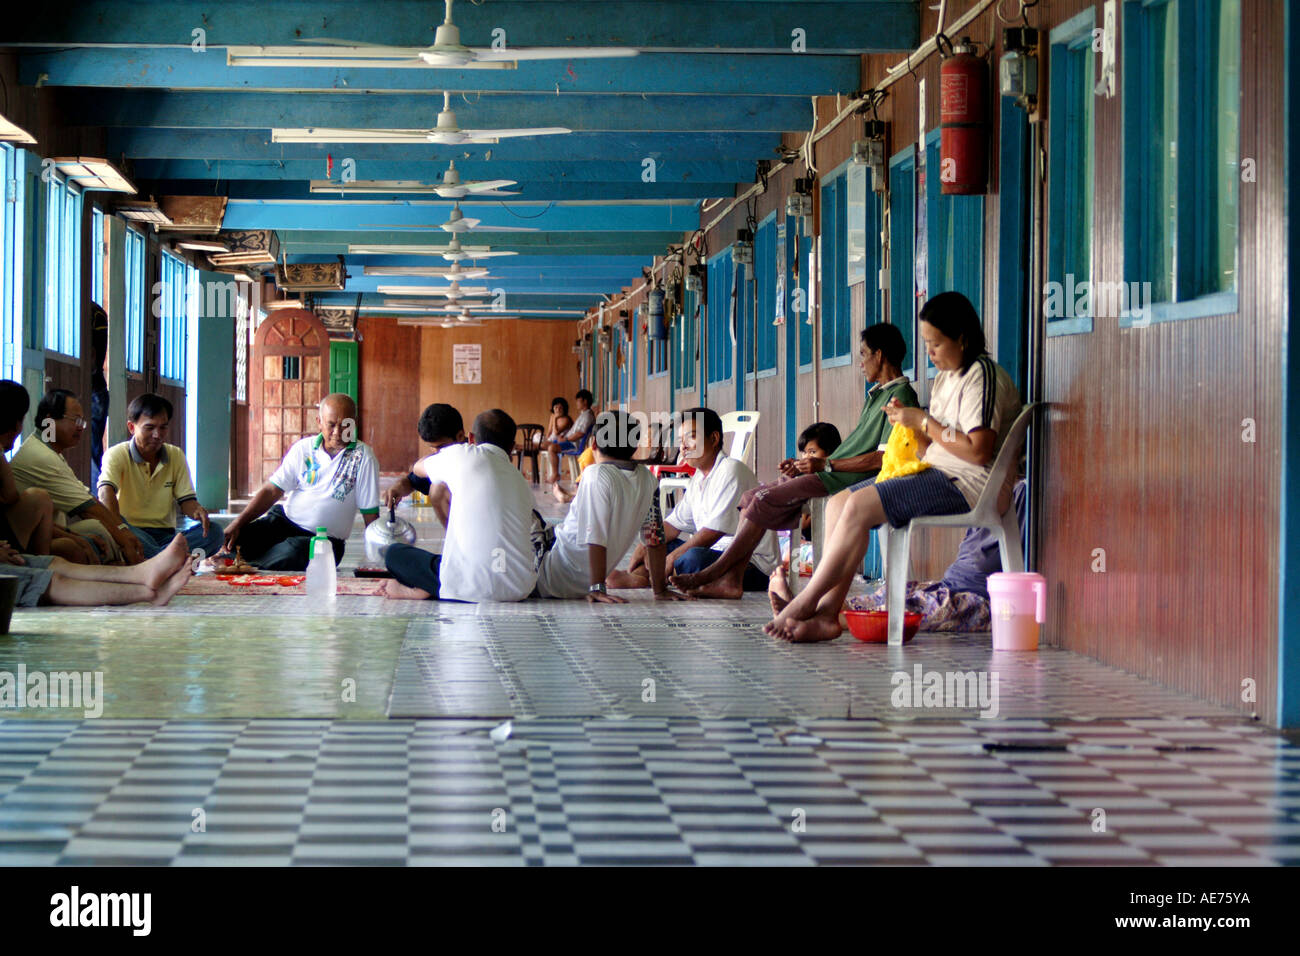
343, 369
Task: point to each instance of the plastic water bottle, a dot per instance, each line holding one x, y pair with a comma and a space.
322, 578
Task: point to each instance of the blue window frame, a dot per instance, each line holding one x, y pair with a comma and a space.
804, 248
765, 271
954, 236
685, 339
1181, 85
97, 256
62, 267
133, 291
634, 372
1067, 304
836, 314
176, 274
12, 179
902, 252
721, 344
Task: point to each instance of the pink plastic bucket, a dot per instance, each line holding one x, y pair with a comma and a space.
1017, 605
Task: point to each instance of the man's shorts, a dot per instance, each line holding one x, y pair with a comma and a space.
33, 578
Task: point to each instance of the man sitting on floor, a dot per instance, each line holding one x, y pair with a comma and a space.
145, 481
52, 580
27, 517
707, 514
440, 425
324, 480
487, 508
617, 498
778, 505
39, 463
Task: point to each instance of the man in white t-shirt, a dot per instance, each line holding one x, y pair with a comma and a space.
706, 518
617, 499
324, 480
487, 506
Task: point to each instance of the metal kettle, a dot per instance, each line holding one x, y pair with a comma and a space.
380, 534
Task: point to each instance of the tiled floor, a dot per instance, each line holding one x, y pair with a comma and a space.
1024, 793
648, 733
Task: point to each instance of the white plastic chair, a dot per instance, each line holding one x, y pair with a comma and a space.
742, 426
896, 543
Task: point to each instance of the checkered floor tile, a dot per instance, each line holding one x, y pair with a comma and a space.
647, 791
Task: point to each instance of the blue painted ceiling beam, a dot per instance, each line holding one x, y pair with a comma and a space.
869, 26
514, 300
529, 191
773, 74
575, 111
523, 267
324, 244
163, 143
556, 285
346, 217
701, 171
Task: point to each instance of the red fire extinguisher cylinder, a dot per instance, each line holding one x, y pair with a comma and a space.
963, 113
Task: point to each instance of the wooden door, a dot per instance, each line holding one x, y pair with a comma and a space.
289, 375
343, 369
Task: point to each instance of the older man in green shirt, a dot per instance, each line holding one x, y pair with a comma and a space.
779, 504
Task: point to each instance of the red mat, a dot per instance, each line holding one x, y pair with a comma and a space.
210, 584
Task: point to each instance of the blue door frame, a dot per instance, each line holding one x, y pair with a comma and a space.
1288, 584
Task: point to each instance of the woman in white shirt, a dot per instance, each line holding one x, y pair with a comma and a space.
972, 404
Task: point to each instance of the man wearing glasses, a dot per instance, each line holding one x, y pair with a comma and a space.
39, 463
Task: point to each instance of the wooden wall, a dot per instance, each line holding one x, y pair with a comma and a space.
390, 390
405, 368
1144, 444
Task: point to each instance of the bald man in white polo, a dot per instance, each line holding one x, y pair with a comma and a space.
324, 480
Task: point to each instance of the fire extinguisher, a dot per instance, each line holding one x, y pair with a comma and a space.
963, 113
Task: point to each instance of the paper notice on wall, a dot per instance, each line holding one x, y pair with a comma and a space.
467, 364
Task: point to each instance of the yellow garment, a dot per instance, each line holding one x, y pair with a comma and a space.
588, 457
900, 455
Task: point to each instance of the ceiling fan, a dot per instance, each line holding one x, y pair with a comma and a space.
445, 132
447, 52
453, 252
453, 188
452, 293
453, 272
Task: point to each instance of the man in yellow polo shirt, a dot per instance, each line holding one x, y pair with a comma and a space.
146, 480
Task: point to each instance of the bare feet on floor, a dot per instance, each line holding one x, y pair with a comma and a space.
560, 495
174, 583
626, 580
823, 627
726, 588
158, 569
397, 590
779, 595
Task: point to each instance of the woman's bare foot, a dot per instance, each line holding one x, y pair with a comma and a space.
801, 608
398, 591
155, 572
822, 627
560, 495
174, 583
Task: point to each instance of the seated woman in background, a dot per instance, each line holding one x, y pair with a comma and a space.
972, 404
